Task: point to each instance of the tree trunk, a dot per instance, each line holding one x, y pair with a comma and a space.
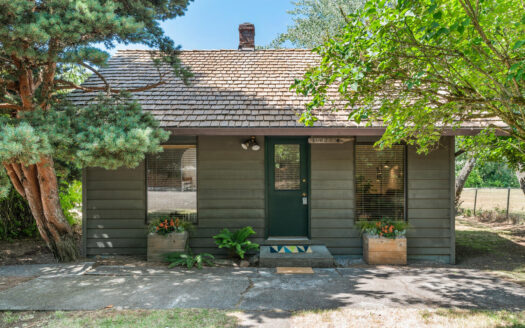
463, 176
37, 183
520, 174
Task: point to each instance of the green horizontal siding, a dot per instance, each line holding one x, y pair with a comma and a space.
332, 198
114, 211
231, 194
231, 190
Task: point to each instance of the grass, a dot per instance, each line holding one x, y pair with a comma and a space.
496, 247
180, 318
340, 318
408, 318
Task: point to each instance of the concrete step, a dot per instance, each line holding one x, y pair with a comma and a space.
320, 257
286, 241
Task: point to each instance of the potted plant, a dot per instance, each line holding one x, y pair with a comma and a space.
384, 241
167, 235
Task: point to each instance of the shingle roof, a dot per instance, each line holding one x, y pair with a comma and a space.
229, 89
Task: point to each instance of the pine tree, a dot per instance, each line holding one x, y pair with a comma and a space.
39, 42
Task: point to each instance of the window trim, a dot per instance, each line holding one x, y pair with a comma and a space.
405, 178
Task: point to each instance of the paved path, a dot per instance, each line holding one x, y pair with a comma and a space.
81, 287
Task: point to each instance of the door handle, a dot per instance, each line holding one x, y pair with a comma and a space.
304, 194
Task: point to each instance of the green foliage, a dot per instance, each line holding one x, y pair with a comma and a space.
16, 220
109, 133
68, 31
189, 260
71, 202
315, 21
237, 242
384, 228
165, 225
422, 66
5, 184
491, 174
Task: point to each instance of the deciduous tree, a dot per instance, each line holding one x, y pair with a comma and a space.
423, 66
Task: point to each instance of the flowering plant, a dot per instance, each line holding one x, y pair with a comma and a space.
384, 228
164, 226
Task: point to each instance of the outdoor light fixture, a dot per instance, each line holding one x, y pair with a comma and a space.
250, 143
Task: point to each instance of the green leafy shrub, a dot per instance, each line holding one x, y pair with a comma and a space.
384, 228
71, 202
189, 260
16, 220
237, 242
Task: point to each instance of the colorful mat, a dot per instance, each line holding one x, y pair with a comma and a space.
290, 249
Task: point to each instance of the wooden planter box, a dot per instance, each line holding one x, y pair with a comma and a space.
158, 245
381, 250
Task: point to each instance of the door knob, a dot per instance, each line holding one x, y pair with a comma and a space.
303, 194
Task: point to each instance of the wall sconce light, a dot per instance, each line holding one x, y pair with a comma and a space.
251, 143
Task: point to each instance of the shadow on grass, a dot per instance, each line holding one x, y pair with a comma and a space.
488, 250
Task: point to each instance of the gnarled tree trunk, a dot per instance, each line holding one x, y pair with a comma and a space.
37, 183
463, 176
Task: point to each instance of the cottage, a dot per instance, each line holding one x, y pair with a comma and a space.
237, 156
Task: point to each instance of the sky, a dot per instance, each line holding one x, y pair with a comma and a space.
213, 24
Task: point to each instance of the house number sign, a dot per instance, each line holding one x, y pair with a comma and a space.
329, 140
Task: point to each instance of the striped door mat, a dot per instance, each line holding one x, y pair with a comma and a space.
290, 249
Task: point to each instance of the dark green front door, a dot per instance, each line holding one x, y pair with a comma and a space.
287, 188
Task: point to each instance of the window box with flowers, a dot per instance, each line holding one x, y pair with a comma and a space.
384, 242
167, 235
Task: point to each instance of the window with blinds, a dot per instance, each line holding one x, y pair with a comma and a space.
287, 161
380, 182
172, 183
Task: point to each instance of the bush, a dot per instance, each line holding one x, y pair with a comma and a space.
71, 202
237, 241
16, 220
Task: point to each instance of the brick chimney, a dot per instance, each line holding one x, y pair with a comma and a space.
246, 36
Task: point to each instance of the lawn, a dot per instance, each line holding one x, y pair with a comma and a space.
450, 318
492, 246
108, 318
215, 318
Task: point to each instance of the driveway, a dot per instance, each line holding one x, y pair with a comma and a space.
82, 287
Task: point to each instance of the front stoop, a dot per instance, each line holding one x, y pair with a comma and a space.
320, 257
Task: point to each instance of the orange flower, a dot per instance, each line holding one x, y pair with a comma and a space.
157, 228
172, 223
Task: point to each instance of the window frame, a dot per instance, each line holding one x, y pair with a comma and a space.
184, 145
405, 178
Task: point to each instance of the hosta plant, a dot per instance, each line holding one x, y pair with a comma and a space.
237, 242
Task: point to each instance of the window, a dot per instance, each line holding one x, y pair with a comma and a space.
172, 182
380, 182
287, 159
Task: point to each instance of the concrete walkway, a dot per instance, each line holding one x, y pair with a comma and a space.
82, 287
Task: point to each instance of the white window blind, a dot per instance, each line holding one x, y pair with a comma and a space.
172, 183
380, 182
